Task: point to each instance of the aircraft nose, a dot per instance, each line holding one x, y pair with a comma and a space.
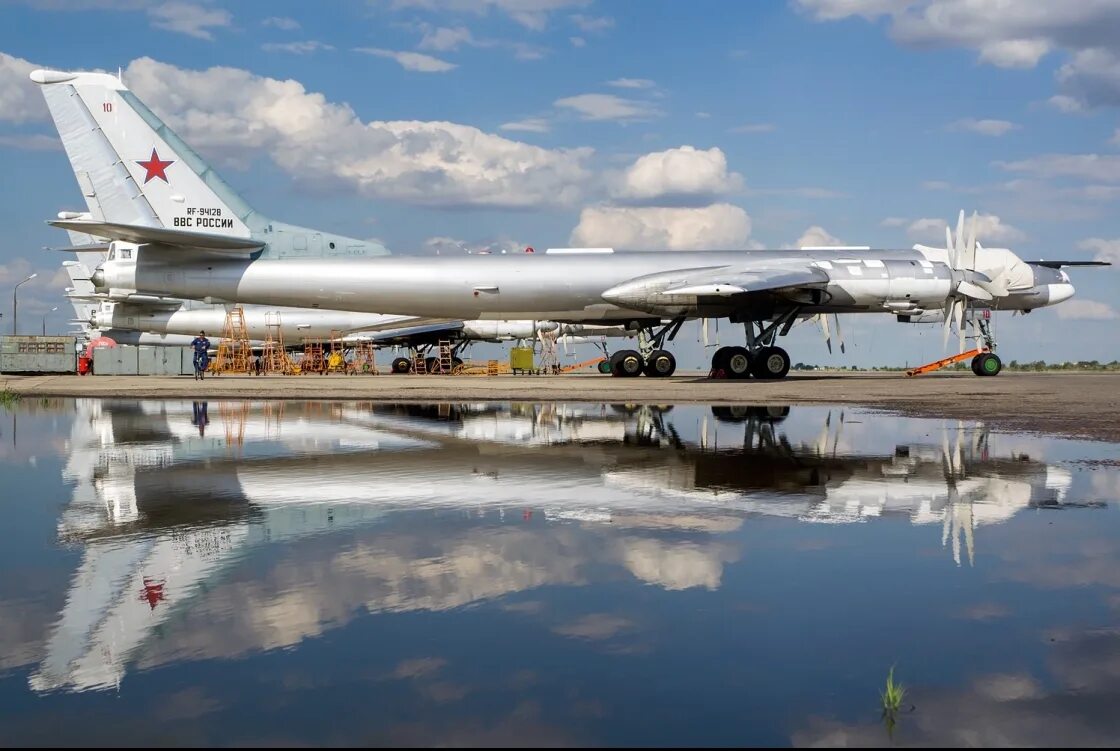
1060, 292
98, 279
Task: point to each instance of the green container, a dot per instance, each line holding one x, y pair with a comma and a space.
520, 359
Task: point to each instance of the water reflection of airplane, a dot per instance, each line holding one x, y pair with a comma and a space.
161, 509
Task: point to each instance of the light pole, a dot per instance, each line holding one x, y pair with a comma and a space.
45, 319
15, 305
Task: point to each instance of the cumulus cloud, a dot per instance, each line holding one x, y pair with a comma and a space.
445, 39
1106, 250
817, 237
578, 41
1087, 310
31, 142
229, 112
1019, 35
189, 18
608, 107
894, 221
411, 60
990, 230
296, 48
529, 124
453, 246
684, 174
720, 225
532, 14
20, 100
983, 127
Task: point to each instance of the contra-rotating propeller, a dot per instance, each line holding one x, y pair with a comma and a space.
966, 282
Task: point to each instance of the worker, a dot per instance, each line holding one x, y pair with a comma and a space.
258, 365
201, 346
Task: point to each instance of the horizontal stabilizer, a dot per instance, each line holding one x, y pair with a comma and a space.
143, 234
1060, 264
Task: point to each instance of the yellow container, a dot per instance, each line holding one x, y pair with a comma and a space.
520, 358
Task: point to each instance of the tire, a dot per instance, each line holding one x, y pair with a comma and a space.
989, 364
628, 363
661, 364
719, 359
456, 364
976, 365
770, 363
604, 367
401, 365
738, 363
431, 365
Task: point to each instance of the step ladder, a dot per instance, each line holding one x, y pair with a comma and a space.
445, 357
235, 353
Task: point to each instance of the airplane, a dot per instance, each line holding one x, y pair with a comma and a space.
178, 230
167, 496
157, 320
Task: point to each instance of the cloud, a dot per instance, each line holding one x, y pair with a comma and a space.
990, 229
685, 173
720, 225
228, 113
529, 124
632, 83
608, 107
592, 24
532, 14
753, 128
596, 627
1064, 103
411, 60
1087, 310
578, 41
445, 39
1106, 250
189, 18
20, 100
453, 246
31, 142
983, 127
1115, 140
281, 22
1018, 35
894, 221
817, 237
1095, 167
296, 48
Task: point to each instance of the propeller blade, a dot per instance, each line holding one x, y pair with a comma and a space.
960, 240
960, 323
970, 249
950, 306
704, 330
839, 336
950, 251
823, 319
975, 291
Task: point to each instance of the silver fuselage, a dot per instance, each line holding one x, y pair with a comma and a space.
558, 287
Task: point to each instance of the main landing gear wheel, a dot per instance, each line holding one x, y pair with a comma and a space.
660, 364
770, 363
431, 365
604, 367
456, 364
987, 364
627, 363
401, 365
719, 359
738, 363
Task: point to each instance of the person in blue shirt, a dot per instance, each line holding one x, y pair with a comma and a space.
201, 346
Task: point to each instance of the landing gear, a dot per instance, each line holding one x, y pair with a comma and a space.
987, 364
627, 363
760, 358
738, 363
604, 366
660, 364
401, 365
770, 363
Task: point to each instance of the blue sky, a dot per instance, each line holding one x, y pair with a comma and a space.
468, 123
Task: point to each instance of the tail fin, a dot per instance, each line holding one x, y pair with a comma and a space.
132, 168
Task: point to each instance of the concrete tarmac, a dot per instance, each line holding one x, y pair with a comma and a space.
1084, 405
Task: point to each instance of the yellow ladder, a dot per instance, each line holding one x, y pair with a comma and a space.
235, 354
445, 357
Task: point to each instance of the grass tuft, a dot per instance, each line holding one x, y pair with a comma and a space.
8, 398
893, 695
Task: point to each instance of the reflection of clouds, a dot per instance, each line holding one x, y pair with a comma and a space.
1006, 709
676, 565
984, 611
21, 632
418, 667
596, 627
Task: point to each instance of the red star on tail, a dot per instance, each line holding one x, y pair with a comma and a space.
155, 167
